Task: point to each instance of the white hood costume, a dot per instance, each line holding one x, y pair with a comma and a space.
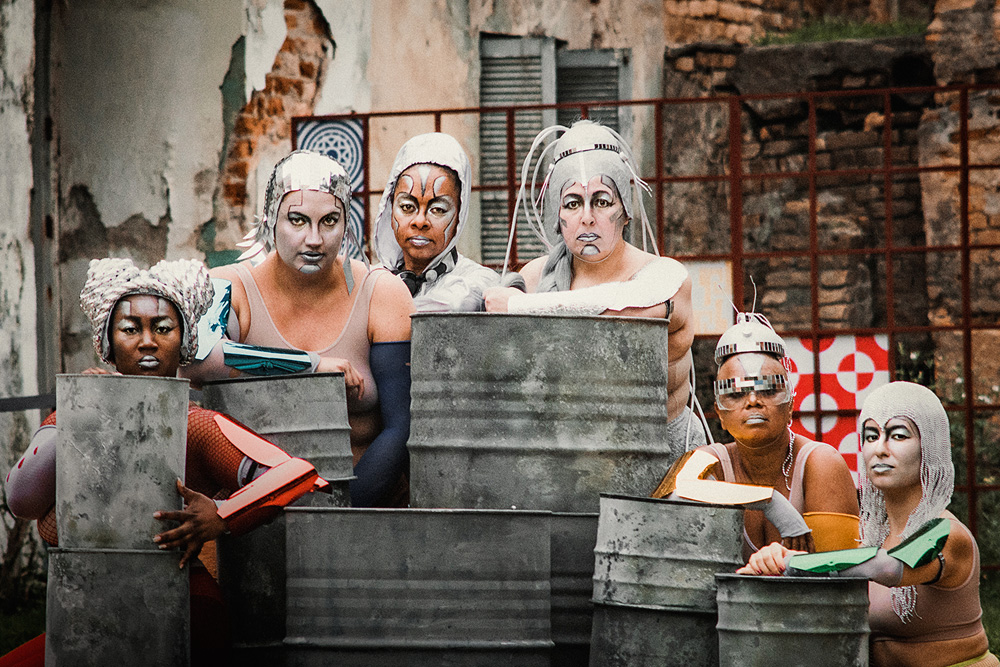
451, 282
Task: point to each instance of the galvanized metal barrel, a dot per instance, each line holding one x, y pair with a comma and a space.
807, 621
423, 588
116, 607
537, 412
573, 538
654, 580
121, 443
306, 415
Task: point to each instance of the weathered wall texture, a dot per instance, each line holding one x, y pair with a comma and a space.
138, 116
743, 21
17, 269
964, 40
849, 135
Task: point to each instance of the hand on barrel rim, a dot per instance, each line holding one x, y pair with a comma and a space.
200, 522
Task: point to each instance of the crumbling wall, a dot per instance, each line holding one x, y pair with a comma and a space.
261, 133
850, 207
964, 41
17, 270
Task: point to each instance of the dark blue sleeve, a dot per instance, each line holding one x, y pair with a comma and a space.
387, 457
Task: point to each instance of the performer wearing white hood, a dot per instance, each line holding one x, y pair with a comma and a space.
587, 200
423, 211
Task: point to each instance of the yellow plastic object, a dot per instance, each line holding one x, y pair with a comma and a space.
833, 531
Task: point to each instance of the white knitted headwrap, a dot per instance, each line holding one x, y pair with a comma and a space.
937, 473
184, 282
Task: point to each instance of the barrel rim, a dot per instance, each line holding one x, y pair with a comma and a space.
665, 501
689, 609
265, 378
597, 318
128, 378
732, 576
388, 644
413, 510
86, 550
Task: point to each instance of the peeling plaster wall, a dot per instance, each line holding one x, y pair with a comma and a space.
138, 116
17, 269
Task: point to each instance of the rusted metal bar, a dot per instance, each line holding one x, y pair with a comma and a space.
890, 285
736, 196
437, 121
814, 271
366, 139
967, 374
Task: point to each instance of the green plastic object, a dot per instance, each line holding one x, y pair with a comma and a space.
257, 360
924, 545
831, 561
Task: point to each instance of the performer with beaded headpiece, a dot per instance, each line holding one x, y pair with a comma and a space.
810, 480
424, 208
144, 323
923, 563
303, 305
590, 193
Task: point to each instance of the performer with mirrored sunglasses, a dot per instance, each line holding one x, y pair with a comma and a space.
813, 505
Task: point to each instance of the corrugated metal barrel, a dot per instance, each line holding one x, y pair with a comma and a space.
423, 588
573, 539
537, 412
120, 448
807, 621
306, 415
116, 607
654, 580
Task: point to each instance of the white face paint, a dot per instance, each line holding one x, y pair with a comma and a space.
591, 218
425, 217
752, 362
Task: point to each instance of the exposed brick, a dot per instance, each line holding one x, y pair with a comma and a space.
307, 69
685, 64
295, 5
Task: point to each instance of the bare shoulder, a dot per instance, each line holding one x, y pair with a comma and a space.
226, 272
829, 486
959, 553
391, 307
532, 272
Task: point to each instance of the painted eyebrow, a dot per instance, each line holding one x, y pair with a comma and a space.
898, 427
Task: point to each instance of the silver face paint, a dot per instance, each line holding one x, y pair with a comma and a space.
589, 250
438, 185
162, 307
309, 268
126, 307
751, 363
424, 170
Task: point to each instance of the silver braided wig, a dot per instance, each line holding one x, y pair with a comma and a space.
299, 170
184, 282
937, 473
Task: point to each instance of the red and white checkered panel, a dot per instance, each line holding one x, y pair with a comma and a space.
849, 367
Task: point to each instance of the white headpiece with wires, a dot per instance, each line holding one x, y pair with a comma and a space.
585, 150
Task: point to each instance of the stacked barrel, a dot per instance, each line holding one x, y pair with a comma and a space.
113, 596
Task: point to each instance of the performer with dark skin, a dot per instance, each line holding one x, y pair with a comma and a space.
143, 324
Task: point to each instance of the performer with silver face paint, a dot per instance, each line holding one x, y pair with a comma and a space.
306, 307
923, 563
587, 200
424, 208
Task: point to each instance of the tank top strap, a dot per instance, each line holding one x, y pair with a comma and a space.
797, 494
262, 330
722, 453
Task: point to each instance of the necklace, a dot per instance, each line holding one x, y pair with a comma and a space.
786, 467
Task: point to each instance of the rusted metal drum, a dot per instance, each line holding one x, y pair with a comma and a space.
654, 580
537, 412
121, 442
116, 607
573, 539
807, 621
306, 415
423, 588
